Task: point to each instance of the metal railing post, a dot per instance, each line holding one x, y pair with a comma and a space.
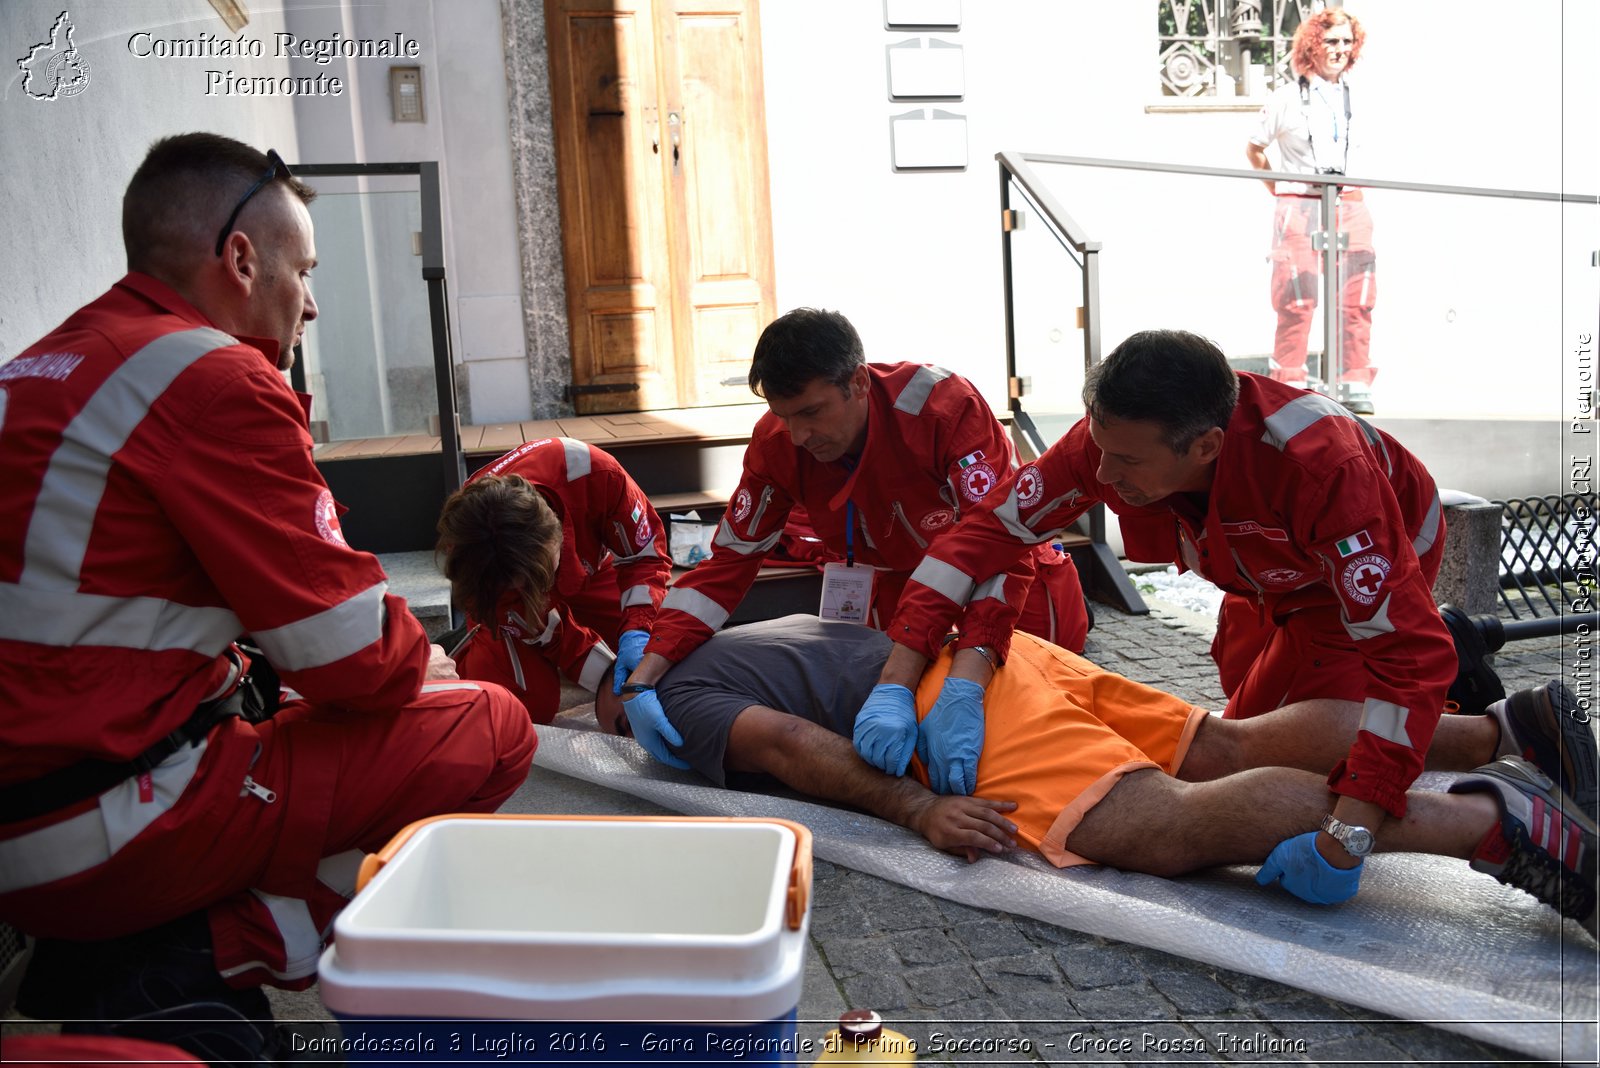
1332, 314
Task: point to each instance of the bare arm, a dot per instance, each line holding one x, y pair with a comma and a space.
812, 759
1257, 155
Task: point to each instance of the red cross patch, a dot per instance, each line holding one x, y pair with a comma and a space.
1030, 486
976, 481
1363, 577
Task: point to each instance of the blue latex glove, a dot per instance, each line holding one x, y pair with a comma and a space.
651, 729
630, 650
951, 738
886, 728
1306, 874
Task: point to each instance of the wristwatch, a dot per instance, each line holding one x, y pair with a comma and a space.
987, 653
1357, 841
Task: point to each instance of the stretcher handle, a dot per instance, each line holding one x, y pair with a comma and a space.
796, 899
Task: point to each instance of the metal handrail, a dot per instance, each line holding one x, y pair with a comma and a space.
1287, 176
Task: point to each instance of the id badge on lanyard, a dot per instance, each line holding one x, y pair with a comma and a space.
846, 588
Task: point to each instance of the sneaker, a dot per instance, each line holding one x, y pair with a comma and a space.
1541, 844
1476, 686
1546, 725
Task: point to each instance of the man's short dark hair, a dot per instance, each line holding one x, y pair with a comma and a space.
1171, 377
182, 193
498, 533
802, 346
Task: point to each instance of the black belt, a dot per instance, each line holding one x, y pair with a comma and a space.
87, 778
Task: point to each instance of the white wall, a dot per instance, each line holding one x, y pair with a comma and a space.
67, 161
1478, 298
464, 87
64, 163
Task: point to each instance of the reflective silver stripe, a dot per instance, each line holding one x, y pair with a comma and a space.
1375, 439
696, 604
1283, 424
302, 942
1375, 627
645, 553
992, 588
516, 661
1387, 720
453, 684
944, 579
728, 539
577, 459
339, 872
75, 480
93, 837
596, 667
915, 395
327, 636
1430, 528
636, 595
64, 618
1010, 515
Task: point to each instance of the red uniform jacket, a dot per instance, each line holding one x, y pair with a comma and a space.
1310, 507
157, 500
934, 450
605, 521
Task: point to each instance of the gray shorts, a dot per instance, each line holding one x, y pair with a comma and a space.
799, 664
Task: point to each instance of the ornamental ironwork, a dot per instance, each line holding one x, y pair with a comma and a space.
1227, 48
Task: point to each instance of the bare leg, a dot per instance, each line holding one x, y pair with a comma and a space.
1316, 735
1153, 823
814, 760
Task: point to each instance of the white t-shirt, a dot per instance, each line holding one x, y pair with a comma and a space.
1310, 127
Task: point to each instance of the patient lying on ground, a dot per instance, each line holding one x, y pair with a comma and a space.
1085, 766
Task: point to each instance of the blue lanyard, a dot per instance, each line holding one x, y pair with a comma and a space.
849, 520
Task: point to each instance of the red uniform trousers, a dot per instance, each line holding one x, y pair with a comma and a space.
1265, 664
598, 606
273, 873
1297, 284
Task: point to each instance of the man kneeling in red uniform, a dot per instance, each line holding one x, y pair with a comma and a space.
158, 500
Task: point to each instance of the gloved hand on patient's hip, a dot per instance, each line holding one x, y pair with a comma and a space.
950, 739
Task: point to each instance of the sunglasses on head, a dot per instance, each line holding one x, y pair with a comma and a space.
275, 168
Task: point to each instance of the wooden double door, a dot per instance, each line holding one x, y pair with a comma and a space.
662, 166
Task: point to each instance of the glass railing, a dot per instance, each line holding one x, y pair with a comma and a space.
368, 355
1478, 298
377, 359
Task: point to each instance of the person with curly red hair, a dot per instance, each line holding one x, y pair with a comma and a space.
1310, 120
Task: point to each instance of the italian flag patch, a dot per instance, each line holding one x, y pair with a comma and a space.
970, 459
1355, 543
637, 512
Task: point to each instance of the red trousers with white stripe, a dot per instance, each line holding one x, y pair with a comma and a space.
275, 864
1297, 286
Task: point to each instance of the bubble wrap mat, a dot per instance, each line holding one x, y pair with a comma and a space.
1425, 940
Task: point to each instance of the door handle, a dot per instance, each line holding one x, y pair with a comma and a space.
675, 133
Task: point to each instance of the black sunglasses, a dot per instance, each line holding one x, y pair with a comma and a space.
276, 168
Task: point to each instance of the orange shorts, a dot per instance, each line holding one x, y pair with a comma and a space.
1058, 734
